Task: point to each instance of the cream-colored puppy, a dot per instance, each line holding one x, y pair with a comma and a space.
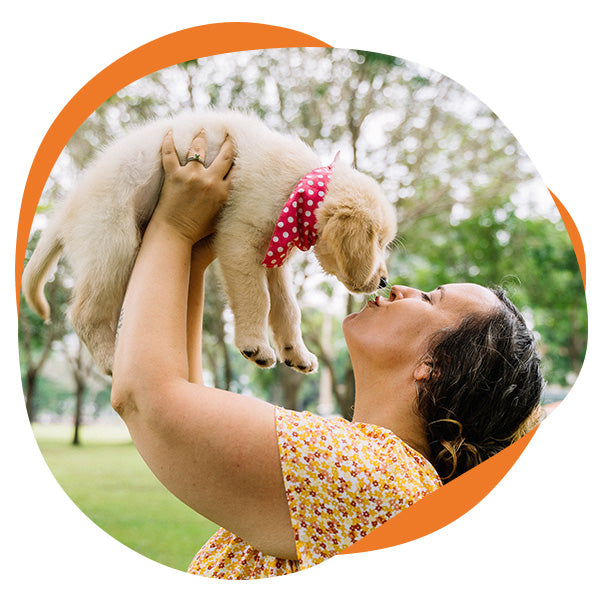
99, 229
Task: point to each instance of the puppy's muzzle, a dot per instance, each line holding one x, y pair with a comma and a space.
383, 283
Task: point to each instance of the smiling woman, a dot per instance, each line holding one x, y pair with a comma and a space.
472, 362
389, 343
292, 489
408, 318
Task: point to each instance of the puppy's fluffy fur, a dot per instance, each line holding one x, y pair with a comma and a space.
99, 228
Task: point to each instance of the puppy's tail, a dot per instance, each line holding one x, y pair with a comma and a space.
40, 267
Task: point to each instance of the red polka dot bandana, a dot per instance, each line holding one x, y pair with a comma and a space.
297, 223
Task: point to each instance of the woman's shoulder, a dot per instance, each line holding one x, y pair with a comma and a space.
370, 447
303, 421
307, 429
343, 479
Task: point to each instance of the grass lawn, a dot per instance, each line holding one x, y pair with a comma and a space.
107, 479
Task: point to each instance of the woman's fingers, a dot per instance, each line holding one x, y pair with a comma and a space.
220, 167
198, 148
224, 160
187, 189
170, 159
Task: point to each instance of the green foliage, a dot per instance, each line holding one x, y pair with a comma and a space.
53, 398
460, 183
379, 59
532, 258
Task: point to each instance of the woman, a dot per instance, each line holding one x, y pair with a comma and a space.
443, 380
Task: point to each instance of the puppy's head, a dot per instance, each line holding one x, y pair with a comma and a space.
355, 223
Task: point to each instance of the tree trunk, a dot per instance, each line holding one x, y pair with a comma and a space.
30, 389
225, 355
325, 406
33, 367
347, 398
79, 395
290, 385
81, 366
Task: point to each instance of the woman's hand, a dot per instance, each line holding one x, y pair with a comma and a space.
192, 195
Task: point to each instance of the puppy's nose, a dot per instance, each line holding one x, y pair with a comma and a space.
383, 282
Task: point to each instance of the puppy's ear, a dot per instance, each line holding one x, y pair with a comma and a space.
349, 235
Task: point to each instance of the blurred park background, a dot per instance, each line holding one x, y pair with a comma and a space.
470, 207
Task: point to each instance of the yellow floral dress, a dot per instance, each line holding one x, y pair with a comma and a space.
341, 479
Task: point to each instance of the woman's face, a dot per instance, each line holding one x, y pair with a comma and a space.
398, 328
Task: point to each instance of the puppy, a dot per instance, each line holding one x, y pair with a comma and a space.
340, 211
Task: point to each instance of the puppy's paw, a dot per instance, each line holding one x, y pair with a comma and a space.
261, 354
300, 359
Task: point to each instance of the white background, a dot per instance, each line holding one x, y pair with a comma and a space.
536, 65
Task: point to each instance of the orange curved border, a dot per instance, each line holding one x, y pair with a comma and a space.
573, 234
445, 505
432, 512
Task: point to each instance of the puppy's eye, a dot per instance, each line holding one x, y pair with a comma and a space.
426, 297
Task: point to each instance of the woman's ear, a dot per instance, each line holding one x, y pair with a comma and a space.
422, 371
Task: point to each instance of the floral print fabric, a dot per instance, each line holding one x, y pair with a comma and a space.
342, 480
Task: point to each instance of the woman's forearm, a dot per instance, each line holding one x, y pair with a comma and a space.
152, 347
195, 315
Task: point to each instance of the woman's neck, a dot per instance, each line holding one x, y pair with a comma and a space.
390, 402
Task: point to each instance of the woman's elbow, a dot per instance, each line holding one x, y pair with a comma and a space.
130, 389
124, 392
139, 396
122, 399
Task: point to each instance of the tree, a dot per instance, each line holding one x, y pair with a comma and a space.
533, 259
80, 365
216, 352
36, 338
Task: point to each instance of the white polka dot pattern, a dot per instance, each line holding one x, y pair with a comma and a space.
297, 223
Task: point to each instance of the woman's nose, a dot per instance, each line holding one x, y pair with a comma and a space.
397, 292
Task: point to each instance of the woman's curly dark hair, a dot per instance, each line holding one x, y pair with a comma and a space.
483, 391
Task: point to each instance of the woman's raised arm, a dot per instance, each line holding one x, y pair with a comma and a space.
215, 450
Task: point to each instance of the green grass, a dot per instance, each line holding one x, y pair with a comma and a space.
107, 479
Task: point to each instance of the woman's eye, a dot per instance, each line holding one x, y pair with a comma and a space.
426, 297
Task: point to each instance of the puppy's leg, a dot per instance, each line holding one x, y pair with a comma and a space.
94, 321
284, 318
101, 272
247, 292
